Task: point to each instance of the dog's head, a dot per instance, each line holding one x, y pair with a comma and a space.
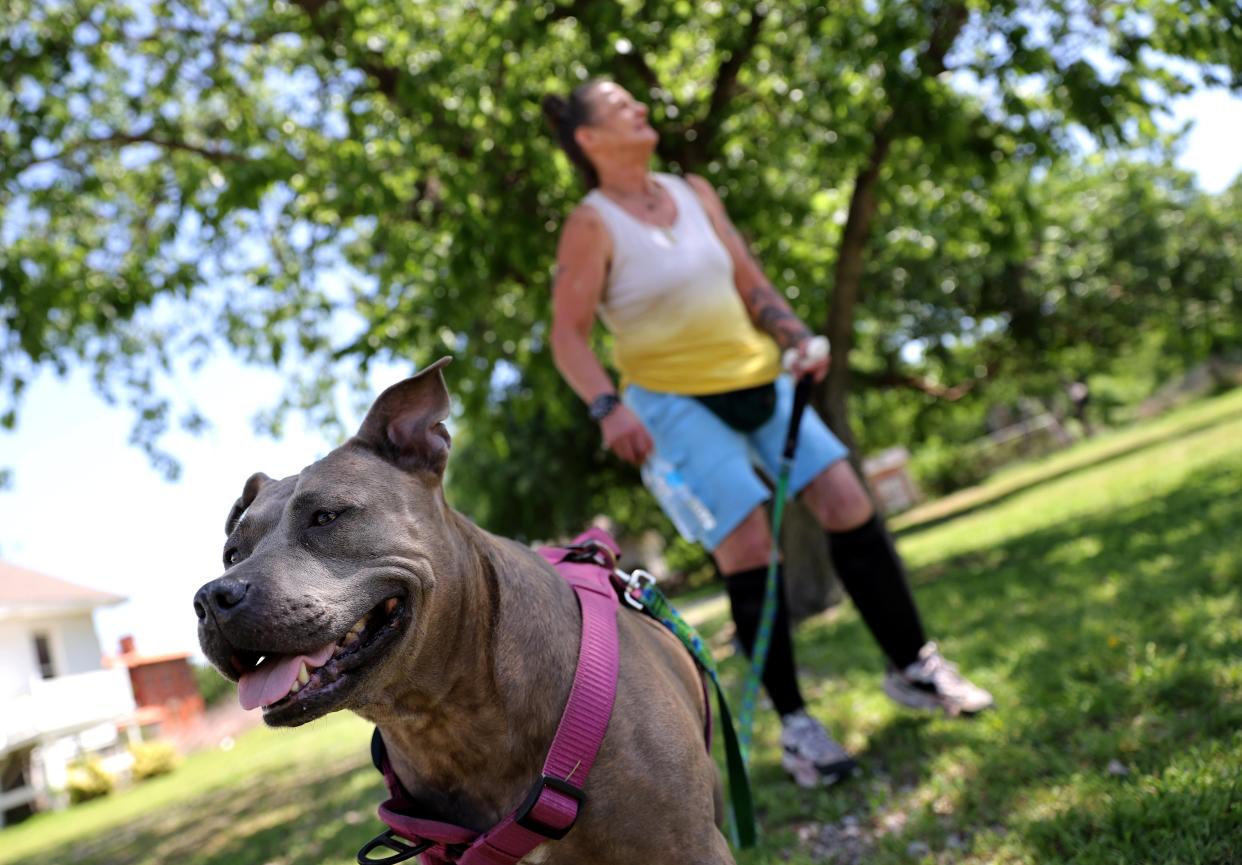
328, 571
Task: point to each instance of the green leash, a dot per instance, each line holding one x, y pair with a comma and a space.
643, 591
767, 616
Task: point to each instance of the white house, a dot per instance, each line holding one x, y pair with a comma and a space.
57, 701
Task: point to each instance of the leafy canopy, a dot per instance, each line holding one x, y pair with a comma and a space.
324, 185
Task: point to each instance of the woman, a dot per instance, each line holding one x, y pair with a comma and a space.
698, 334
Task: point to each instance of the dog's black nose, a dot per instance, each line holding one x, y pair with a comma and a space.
219, 595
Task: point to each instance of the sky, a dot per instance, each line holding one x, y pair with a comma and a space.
87, 507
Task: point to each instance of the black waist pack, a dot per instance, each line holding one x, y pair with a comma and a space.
745, 410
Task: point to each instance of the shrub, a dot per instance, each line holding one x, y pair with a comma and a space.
689, 563
88, 780
152, 759
940, 468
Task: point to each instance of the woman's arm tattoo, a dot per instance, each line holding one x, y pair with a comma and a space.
773, 316
768, 309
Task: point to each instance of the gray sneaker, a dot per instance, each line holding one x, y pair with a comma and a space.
931, 682
810, 755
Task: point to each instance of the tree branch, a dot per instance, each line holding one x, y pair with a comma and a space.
123, 139
216, 37
573, 10
726, 75
726, 85
944, 33
895, 379
387, 78
328, 28
635, 60
831, 398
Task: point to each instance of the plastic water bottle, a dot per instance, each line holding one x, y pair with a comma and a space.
691, 517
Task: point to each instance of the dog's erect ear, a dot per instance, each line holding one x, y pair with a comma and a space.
405, 424
254, 483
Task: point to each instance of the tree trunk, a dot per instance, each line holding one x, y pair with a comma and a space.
831, 400
832, 397
810, 583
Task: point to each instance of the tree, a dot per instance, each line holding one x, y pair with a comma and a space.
1125, 272
324, 184
1050, 68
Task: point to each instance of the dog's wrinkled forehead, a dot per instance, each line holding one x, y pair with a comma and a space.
260, 506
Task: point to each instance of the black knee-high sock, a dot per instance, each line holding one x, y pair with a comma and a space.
780, 676
871, 573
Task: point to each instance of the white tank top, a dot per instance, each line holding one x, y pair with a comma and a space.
678, 323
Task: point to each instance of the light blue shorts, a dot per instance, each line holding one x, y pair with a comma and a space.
719, 464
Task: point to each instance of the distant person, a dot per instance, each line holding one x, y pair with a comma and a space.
697, 335
1079, 396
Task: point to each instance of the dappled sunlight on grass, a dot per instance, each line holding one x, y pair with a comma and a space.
1144, 476
1189, 813
277, 818
1083, 454
1102, 610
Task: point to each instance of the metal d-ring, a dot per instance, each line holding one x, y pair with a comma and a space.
598, 552
635, 581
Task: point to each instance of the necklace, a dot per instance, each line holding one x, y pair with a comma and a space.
666, 231
651, 202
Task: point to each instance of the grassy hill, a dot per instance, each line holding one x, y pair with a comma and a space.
1096, 593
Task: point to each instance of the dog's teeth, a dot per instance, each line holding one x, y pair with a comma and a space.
355, 632
297, 686
303, 674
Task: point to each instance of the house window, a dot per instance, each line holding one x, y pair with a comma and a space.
43, 651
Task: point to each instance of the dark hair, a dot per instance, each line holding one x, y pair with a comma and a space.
565, 116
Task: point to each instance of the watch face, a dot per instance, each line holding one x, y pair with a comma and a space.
602, 406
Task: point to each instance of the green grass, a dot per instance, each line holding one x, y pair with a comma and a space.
1095, 592
277, 797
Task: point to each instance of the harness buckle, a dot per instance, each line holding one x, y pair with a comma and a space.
592, 550
523, 817
635, 582
394, 842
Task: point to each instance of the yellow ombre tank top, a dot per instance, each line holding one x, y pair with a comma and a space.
677, 321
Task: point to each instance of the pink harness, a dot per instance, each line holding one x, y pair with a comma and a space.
552, 806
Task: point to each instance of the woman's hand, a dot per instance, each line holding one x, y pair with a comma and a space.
625, 435
809, 357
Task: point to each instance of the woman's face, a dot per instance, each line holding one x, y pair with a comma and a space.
618, 122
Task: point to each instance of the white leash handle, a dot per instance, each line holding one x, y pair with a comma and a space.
817, 349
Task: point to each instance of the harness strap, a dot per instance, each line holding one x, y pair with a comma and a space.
552, 805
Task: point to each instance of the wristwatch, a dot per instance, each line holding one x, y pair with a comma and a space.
602, 406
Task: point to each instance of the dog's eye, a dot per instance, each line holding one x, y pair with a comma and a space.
322, 518
231, 557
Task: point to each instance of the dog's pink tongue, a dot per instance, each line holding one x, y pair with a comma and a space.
271, 680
